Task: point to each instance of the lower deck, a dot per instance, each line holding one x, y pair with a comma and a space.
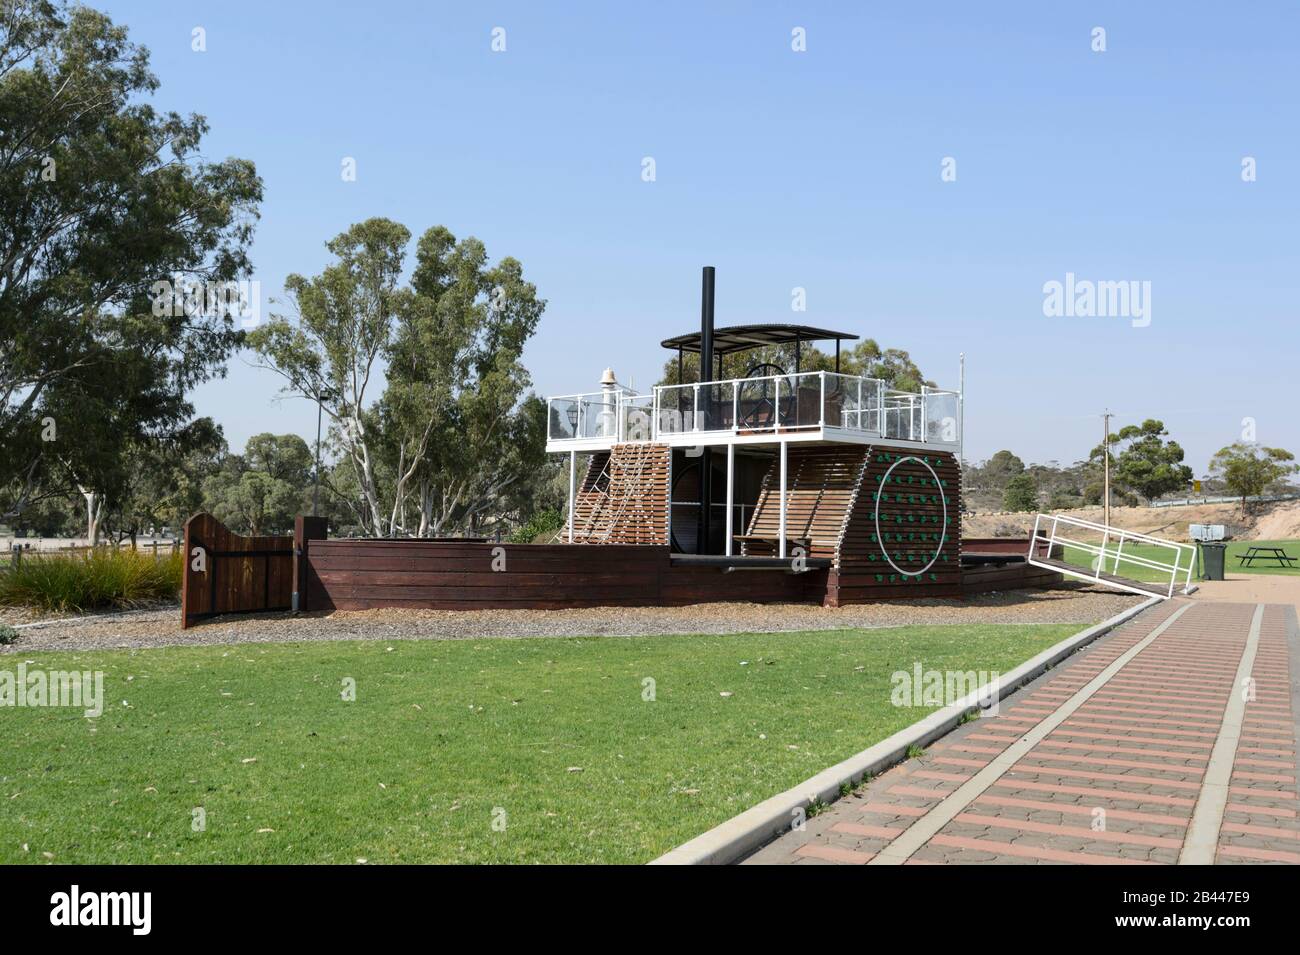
878, 521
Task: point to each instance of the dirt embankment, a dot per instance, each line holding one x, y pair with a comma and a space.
1279, 521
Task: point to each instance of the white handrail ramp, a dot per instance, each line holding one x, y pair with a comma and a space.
1108, 557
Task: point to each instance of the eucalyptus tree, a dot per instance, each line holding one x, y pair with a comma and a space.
454, 429
101, 198
1248, 469
332, 350
463, 427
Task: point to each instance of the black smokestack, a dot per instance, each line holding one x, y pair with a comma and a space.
706, 325
705, 411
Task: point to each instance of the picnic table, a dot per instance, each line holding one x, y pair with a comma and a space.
1255, 553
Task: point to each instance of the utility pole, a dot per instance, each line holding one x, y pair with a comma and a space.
315, 493
1105, 457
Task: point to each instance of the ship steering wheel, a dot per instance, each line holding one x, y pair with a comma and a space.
757, 397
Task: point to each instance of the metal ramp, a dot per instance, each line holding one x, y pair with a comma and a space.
1162, 564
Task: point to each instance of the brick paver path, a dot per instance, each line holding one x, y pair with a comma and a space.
1172, 739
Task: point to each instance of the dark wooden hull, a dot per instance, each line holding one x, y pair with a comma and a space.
877, 523
360, 575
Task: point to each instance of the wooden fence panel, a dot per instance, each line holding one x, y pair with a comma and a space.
227, 573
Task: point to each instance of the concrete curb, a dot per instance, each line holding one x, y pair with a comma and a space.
755, 827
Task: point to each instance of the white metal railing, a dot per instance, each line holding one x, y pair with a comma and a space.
818, 399
1048, 534
598, 414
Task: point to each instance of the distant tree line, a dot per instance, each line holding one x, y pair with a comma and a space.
1145, 466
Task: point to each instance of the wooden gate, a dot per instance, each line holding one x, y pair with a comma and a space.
227, 573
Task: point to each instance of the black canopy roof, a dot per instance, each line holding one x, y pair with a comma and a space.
741, 337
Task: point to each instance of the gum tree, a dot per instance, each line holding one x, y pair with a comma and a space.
462, 428
453, 431
333, 349
1148, 463
1249, 469
260, 491
1021, 494
100, 197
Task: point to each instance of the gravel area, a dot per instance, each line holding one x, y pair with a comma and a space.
161, 627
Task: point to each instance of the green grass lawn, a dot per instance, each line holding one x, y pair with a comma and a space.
555, 732
1084, 559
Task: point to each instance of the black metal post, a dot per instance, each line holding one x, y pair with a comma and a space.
704, 413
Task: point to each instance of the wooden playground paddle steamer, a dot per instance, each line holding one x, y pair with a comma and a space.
780, 469
779, 485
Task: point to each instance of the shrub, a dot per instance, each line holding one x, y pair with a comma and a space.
543, 522
1064, 501
8, 635
100, 579
1021, 494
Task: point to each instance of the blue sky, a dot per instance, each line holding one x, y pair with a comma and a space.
818, 169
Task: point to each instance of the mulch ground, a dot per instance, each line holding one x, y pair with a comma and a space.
161, 626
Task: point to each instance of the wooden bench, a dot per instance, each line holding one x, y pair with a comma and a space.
808, 543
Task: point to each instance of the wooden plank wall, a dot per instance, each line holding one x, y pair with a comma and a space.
833, 491
457, 575
629, 505
1014, 546
989, 577
263, 580
460, 575
821, 485
919, 520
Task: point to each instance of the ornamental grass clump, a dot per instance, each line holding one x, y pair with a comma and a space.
100, 579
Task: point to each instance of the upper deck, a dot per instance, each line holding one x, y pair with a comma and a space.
812, 406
